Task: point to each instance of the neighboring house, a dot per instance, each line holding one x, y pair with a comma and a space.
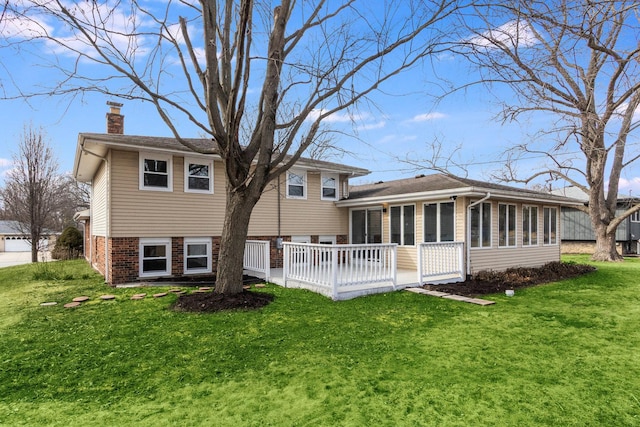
12, 239
577, 231
157, 210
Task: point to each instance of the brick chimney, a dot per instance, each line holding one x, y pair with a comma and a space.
115, 120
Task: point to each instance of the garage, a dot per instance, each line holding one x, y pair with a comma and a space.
16, 244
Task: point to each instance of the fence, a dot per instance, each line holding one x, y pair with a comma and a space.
335, 270
257, 258
441, 262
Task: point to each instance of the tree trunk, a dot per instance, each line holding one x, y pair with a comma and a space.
605, 245
34, 247
239, 206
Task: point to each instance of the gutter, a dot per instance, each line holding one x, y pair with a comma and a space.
468, 238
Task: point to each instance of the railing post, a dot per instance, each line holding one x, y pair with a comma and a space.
334, 272
285, 262
394, 266
420, 262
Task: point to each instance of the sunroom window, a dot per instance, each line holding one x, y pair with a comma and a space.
402, 224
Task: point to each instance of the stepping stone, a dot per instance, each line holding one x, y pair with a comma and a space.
201, 291
175, 291
456, 297
72, 304
205, 288
107, 297
261, 286
160, 295
436, 293
81, 299
137, 297
417, 290
246, 287
481, 301
48, 304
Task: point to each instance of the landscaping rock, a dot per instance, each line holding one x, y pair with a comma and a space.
72, 304
107, 297
160, 295
48, 304
81, 299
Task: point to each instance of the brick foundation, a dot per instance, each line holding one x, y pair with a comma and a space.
123, 262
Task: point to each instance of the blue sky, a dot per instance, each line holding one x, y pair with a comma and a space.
403, 123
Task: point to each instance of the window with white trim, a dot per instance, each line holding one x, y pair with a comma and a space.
635, 217
156, 172
529, 225
329, 186
155, 257
198, 176
481, 225
197, 255
439, 222
296, 184
550, 226
506, 225
402, 224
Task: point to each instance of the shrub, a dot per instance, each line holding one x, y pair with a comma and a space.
68, 245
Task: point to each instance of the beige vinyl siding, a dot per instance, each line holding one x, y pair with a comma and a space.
310, 216
500, 258
144, 213
99, 205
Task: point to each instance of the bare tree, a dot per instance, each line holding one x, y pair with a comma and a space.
71, 196
30, 193
291, 65
576, 63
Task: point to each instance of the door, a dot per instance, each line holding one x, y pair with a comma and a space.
366, 226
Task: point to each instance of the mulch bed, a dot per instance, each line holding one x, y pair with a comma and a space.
490, 282
207, 302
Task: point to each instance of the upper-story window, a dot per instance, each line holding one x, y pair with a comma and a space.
635, 217
506, 225
481, 225
198, 176
296, 184
329, 186
156, 172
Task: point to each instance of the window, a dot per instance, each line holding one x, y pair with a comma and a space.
529, 225
439, 222
198, 176
197, 255
329, 187
550, 226
481, 225
635, 217
155, 257
402, 224
296, 185
156, 172
506, 225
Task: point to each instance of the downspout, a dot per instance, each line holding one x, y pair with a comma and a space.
471, 205
108, 216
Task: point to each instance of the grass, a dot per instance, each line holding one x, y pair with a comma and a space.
559, 354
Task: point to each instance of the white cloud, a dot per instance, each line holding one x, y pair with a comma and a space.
338, 117
5, 163
397, 138
426, 117
629, 186
372, 126
512, 34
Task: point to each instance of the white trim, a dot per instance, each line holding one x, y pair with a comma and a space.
327, 238
336, 180
415, 215
515, 225
154, 242
201, 161
303, 175
195, 241
142, 156
300, 239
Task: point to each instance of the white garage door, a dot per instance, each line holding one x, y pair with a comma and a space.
16, 244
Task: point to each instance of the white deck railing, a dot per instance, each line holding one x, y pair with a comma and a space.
257, 259
441, 262
335, 269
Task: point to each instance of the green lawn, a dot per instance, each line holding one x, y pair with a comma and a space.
564, 354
